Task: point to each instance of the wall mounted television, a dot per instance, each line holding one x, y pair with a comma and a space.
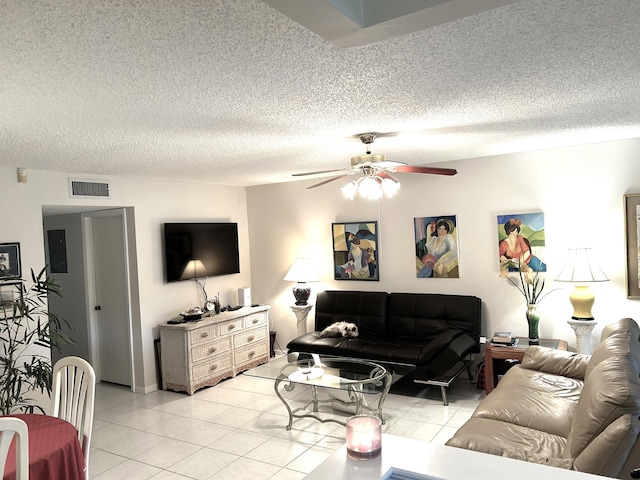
215, 245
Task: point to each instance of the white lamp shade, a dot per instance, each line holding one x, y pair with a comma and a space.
580, 268
301, 271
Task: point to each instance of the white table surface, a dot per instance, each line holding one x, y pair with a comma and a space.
436, 462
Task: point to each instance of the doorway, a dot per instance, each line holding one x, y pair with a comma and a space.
97, 289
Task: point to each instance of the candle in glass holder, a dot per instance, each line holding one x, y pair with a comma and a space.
364, 437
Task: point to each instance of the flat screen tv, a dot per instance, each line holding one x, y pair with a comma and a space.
197, 250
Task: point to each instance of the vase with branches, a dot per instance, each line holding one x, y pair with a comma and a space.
26, 327
531, 286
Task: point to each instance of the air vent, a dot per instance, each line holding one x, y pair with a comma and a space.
84, 188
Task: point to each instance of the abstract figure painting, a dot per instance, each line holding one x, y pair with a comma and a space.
521, 243
436, 247
355, 251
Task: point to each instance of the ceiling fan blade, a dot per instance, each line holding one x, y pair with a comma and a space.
432, 170
383, 174
318, 172
327, 181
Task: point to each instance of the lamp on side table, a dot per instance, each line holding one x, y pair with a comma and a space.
582, 270
302, 272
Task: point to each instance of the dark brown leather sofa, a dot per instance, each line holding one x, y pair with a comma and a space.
434, 332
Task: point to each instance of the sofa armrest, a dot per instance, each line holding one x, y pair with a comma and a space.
556, 362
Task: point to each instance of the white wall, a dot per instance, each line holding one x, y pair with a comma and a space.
154, 202
580, 190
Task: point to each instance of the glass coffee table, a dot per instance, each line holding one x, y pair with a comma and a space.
355, 377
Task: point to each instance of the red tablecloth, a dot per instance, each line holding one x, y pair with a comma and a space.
54, 450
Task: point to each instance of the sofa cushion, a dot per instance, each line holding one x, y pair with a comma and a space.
624, 325
557, 362
372, 348
366, 309
611, 390
506, 439
543, 401
607, 453
422, 317
619, 338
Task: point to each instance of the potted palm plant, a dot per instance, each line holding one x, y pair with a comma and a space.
27, 327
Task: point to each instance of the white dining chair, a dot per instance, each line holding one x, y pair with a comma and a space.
72, 398
10, 427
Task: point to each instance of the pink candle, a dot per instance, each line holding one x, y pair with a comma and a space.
364, 437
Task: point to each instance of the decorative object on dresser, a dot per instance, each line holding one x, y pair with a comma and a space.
581, 270
197, 355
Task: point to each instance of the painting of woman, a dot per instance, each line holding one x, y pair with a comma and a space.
436, 247
519, 251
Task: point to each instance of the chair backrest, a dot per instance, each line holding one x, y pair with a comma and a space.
72, 398
9, 427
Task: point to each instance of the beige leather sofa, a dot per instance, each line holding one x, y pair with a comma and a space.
566, 410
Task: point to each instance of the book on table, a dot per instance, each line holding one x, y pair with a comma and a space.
502, 338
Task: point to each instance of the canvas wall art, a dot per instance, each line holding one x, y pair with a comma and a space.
632, 227
437, 251
355, 251
521, 243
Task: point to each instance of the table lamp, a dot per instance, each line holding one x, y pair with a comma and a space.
302, 271
581, 270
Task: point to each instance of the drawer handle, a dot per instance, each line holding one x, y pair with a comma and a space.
255, 320
213, 367
252, 353
212, 350
204, 334
232, 326
250, 339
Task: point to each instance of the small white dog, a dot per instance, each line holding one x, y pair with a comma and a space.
340, 329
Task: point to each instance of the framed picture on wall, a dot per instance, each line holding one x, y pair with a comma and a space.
10, 260
632, 235
521, 243
355, 251
436, 247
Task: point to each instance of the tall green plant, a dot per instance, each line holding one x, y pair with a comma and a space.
26, 323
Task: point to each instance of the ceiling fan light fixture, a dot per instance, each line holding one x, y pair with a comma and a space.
349, 190
370, 188
390, 187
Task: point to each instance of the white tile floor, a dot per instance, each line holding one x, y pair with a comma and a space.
236, 430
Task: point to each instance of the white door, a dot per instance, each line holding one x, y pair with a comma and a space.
111, 306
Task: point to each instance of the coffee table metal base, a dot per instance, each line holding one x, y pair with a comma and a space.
355, 395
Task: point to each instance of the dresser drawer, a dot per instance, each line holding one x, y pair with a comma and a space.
233, 326
212, 367
250, 353
210, 349
255, 320
249, 336
203, 334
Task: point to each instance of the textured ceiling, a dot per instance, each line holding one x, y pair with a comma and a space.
235, 92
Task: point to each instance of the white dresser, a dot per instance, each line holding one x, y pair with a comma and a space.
200, 354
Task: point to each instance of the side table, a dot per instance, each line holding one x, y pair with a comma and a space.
493, 352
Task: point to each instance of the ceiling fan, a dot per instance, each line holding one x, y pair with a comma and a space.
375, 169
